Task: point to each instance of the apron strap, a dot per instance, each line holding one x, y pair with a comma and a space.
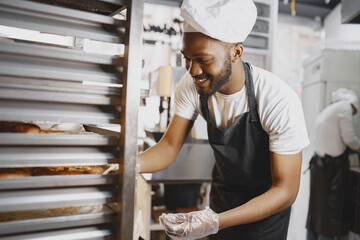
205, 109
250, 92
203, 105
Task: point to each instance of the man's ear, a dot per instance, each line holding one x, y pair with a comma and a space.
236, 52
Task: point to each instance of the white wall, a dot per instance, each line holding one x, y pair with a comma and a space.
336, 31
293, 38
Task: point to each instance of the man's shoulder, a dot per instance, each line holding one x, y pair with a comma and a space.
338, 106
268, 85
334, 111
267, 78
342, 108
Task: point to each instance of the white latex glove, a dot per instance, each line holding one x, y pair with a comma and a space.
191, 225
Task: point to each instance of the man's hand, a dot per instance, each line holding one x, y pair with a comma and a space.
191, 225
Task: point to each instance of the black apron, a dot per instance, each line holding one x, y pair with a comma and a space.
329, 195
242, 170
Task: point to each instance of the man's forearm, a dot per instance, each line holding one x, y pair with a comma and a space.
156, 158
265, 205
164, 153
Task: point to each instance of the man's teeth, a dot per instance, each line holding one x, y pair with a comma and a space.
201, 80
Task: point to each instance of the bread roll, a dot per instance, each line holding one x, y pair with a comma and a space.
56, 131
19, 127
50, 212
14, 172
67, 170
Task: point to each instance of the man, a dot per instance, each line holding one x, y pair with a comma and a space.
328, 215
255, 127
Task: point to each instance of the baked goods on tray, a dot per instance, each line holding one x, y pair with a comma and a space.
19, 127
67, 170
50, 212
15, 172
24, 127
59, 170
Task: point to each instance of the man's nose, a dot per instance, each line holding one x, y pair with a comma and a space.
195, 69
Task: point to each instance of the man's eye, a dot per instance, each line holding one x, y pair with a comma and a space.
204, 60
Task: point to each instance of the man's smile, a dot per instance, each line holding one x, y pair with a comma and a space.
200, 82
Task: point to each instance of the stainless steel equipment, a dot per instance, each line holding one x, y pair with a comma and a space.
350, 11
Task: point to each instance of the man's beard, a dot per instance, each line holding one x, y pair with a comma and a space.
217, 82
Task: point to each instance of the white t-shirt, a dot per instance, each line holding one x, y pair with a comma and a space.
335, 130
279, 109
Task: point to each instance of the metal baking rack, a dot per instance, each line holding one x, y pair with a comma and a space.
48, 83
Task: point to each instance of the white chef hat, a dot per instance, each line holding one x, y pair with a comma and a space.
344, 94
227, 20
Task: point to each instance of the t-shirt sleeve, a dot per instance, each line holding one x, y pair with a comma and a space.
283, 120
185, 99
